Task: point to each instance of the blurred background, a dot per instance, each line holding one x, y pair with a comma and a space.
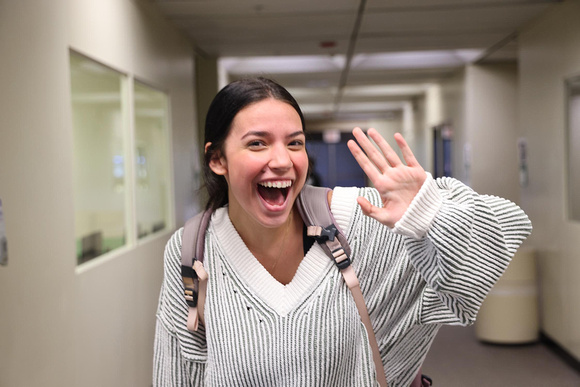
102, 107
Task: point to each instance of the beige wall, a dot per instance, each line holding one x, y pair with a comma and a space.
61, 325
433, 115
422, 143
206, 87
453, 92
491, 121
549, 53
480, 102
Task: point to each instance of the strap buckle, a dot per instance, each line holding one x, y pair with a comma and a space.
341, 259
322, 234
191, 277
190, 281
194, 282
327, 235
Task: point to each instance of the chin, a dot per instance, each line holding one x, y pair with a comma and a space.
274, 220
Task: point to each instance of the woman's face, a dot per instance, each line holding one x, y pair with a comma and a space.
264, 162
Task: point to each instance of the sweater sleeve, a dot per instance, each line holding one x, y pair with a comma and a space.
461, 243
169, 367
179, 355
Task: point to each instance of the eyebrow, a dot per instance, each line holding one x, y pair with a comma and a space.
258, 133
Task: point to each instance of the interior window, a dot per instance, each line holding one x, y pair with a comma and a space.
151, 160
99, 157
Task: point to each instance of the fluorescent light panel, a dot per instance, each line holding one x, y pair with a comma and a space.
321, 63
415, 59
282, 64
385, 90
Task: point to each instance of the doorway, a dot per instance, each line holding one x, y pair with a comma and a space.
332, 161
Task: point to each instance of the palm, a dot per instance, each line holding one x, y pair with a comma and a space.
396, 182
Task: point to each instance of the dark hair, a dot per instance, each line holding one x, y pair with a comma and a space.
225, 106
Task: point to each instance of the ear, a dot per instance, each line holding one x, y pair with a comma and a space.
217, 162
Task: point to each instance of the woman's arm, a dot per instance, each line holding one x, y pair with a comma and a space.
461, 243
169, 366
179, 355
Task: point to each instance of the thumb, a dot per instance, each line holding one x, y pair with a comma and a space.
379, 214
368, 209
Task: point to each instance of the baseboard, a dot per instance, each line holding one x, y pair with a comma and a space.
561, 352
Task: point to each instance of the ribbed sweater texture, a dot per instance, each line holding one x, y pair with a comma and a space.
434, 267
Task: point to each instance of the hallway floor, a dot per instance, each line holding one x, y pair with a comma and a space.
458, 359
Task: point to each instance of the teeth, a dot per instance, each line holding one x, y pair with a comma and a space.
276, 184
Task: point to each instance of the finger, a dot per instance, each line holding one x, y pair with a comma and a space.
388, 152
372, 152
365, 205
377, 213
406, 151
361, 158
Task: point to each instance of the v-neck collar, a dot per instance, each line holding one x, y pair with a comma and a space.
312, 270
281, 298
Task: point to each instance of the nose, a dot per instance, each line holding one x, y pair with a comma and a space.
280, 158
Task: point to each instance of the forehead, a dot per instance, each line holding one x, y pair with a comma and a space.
267, 114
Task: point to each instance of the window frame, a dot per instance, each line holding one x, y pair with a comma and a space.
128, 122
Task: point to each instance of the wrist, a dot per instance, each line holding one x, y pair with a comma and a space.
420, 214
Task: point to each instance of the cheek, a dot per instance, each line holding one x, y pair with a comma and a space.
301, 164
245, 169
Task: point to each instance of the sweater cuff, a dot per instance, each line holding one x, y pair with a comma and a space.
421, 212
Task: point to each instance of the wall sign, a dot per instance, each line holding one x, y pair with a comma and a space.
3, 242
523, 161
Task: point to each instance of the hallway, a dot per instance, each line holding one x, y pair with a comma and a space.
498, 80
458, 359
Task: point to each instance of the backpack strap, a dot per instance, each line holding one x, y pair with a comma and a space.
315, 210
193, 274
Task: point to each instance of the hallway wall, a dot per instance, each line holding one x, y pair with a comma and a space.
550, 53
480, 103
453, 91
491, 122
62, 325
92, 325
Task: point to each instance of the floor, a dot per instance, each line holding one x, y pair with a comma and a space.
458, 359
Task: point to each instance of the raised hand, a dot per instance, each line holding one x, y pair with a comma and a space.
397, 182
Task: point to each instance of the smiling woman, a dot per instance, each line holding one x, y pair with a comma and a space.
219, 121
427, 252
259, 159
263, 152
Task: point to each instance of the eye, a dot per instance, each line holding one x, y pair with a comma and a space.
256, 144
296, 144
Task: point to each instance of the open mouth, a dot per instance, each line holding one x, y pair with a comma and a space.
274, 192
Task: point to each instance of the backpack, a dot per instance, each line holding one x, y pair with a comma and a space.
312, 204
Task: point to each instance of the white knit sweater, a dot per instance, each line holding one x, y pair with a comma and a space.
435, 267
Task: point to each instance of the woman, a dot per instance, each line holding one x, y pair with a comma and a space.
277, 311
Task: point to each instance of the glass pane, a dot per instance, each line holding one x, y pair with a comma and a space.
151, 168
99, 165
573, 146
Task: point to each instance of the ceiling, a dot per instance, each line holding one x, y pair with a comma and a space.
352, 58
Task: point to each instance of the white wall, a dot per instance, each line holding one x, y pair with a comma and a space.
61, 326
549, 53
